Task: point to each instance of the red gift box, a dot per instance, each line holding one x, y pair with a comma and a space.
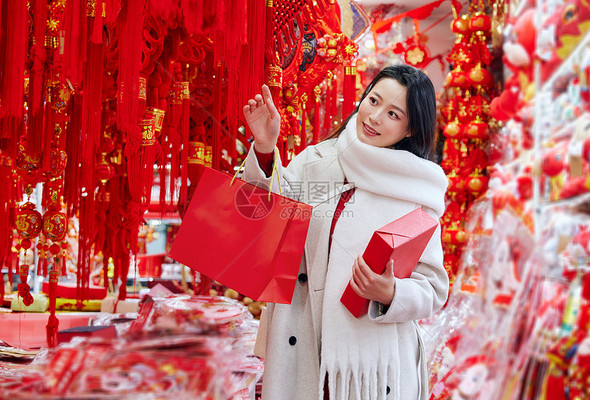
107, 332
402, 240
69, 291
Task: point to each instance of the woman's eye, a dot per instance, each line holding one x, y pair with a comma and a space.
372, 100
393, 115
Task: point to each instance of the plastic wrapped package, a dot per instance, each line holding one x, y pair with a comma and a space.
184, 347
122, 322
196, 365
196, 314
16, 380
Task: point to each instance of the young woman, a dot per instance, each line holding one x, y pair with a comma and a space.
376, 168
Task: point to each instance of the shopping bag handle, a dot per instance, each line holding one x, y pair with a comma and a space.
275, 169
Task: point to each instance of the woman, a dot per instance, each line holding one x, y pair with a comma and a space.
374, 169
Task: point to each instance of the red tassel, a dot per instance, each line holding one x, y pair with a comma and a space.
89, 142
37, 78
12, 67
124, 270
24, 290
303, 130
2, 285
6, 196
113, 8
52, 322
184, 130
72, 173
75, 40
193, 15
316, 115
48, 136
328, 107
11, 263
129, 67
217, 131
98, 22
333, 103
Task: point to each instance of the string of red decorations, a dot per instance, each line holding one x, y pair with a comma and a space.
465, 122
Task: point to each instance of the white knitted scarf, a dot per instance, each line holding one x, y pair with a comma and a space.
359, 354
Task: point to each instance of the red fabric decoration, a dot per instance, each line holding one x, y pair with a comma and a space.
76, 32
37, 78
417, 13
52, 322
13, 45
130, 47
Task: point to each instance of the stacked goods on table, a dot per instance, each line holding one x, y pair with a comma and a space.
175, 347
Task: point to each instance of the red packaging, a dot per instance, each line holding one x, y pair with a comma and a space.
107, 332
402, 240
69, 291
243, 237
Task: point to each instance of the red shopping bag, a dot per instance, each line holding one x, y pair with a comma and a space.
244, 238
402, 240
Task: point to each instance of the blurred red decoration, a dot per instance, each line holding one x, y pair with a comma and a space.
55, 225
28, 221
477, 129
480, 77
480, 23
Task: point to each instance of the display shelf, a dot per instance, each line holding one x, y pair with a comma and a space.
566, 64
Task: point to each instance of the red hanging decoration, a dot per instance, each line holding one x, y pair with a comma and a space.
52, 322
13, 43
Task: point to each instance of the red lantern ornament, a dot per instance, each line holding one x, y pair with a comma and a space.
477, 183
477, 130
553, 161
58, 161
458, 78
454, 130
480, 78
55, 225
104, 170
417, 55
524, 185
454, 235
456, 183
461, 26
480, 24
28, 221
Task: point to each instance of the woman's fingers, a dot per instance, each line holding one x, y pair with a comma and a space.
269, 102
358, 275
364, 268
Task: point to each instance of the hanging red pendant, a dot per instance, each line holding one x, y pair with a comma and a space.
28, 221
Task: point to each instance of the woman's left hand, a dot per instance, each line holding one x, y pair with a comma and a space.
372, 286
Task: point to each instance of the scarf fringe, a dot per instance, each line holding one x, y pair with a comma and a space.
367, 381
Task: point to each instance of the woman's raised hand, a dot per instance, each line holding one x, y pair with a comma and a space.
264, 121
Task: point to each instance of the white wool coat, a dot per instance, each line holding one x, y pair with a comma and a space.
311, 328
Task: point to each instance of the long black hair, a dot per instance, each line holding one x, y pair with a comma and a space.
421, 109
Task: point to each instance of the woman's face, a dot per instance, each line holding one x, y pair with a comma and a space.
382, 118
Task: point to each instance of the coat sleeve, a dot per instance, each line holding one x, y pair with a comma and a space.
420, 295
289, 176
